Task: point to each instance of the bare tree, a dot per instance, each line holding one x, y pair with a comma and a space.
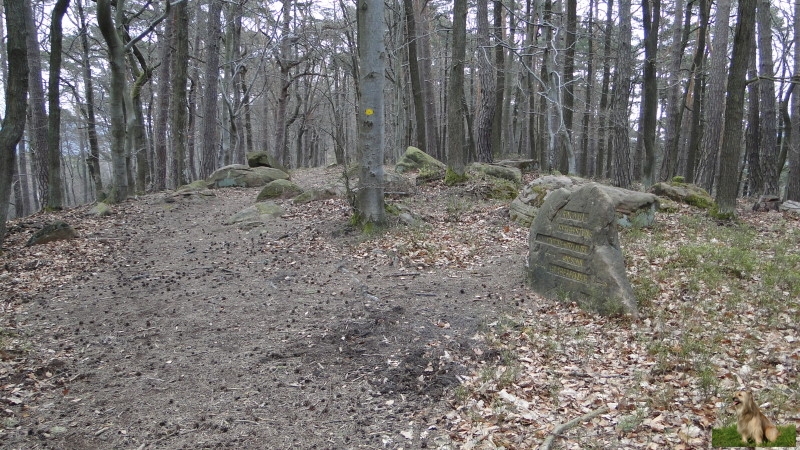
456, 154
371, 55
728, 180
768, 128
621, 98
93, 161
486, 109
55, 197
37, 130
15, 101
210, 142
793, 184
179, 102
674, 108
651, 15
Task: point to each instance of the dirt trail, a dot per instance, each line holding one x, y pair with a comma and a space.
201, 335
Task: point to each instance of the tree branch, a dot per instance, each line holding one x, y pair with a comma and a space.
572, 423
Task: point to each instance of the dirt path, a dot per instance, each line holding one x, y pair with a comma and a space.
201, 335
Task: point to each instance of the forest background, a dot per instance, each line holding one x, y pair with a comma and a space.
129, 97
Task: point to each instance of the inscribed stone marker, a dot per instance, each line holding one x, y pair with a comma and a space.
575, 253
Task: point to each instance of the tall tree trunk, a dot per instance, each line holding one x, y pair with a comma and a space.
429, 83
793, 183
486, 109
674, 113
116, 59
285, 66
569, 76
15, 102
416, 82
210, 142
55, 197
37, 131
752, 137
500, 80
768, 128
714, 103
651, 10
456, 154
24, 179
371, 135
728, 180
583, 167
178, 102
161, 135
622, 87
93, 161
603, 151
697, 84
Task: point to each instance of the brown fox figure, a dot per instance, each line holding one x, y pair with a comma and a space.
752, 423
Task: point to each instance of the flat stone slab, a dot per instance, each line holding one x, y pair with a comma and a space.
575, 253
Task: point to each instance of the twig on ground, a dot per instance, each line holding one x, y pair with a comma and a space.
572, 423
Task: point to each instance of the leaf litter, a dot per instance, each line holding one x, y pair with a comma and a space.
713, 320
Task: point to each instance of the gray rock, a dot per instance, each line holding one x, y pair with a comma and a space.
264, 159
683, 193
257, 214
523, 209
239, 175
313, 195
279, 189
495, 170
575, 253
790, 206
100, 209
524, 165
416, 159
56, 231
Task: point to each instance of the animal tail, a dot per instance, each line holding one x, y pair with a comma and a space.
771, 433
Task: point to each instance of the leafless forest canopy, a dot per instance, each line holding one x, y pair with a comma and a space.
152, 94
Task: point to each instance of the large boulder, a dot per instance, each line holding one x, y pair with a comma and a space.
239, 175
524, 165
279, 189
256, 215
495, 170
56, 231
683, 193
523, 209
575, 254
263, 159
791, 207
416, 159
313, 195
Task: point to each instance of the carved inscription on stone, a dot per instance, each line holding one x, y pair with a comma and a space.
574, 251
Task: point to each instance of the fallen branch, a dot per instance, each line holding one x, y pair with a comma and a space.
572, 423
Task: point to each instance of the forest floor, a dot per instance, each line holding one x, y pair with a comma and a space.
160, 327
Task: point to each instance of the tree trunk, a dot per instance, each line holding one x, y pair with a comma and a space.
752, 137
178, 102
728, 180
697, 84
37, 131
622, 87
371, 66
487, 106
116, 59
768, 128
285, 65
500, 80
161, 136
210, 129
93, 161
456, 152
416, 81
15, 102
793, 183
603, 152
583, 167
651, 10
714, 103
674, 113
569, 90
429, 84
55, 197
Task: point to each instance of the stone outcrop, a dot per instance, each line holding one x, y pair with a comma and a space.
239, 175
255, 215
523, 209
279, 189
416, 159
56, 231
264, 159
689, 194
575, 254
495, 170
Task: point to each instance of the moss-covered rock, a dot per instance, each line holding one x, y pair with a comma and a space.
313, 195
256, 215
100, 209
264, 159
239, 175
689, 194
495, 170
525, 206
279, 189
416, 159
56, 231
